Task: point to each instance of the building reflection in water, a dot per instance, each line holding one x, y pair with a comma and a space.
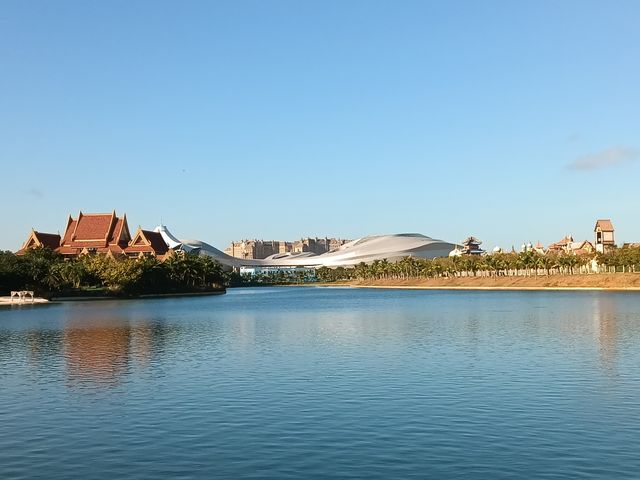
97, 350
606, 330
101, 350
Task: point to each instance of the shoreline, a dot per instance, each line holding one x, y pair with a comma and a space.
513, 289
144, 296
5, 301
620, 282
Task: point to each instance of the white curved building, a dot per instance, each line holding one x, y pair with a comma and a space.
366, 249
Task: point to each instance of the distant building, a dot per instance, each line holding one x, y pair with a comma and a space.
581, 248
255, 249
471, 246
243, 249
285, 247
260, 249
604, 233
336, 243
302, 273
568, 245
561, 245
103, 233
317, 245
530, 247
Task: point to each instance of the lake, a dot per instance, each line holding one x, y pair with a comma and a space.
324, 383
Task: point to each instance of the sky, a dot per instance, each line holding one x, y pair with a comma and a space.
510, 121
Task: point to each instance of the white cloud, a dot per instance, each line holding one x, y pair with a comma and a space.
611, 157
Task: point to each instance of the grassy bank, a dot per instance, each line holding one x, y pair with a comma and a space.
614, 281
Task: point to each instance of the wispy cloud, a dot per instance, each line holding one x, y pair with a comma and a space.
574, 138
35, 192
611, 157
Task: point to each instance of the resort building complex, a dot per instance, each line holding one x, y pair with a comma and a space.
603, 242
104, 233
107, 233
366, 249
258, 249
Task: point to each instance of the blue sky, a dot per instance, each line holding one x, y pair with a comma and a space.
511, 121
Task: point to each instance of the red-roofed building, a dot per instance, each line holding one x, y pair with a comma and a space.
147, 242
104, 233
567, 245
95, 233
562, 245
582, 248
40, 240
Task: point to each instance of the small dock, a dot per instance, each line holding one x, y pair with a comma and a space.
22, 297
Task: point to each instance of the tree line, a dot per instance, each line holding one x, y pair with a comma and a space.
47, 273
527, 263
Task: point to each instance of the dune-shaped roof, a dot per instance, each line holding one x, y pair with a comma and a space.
365, 249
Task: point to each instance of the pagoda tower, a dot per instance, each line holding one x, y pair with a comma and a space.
471, 246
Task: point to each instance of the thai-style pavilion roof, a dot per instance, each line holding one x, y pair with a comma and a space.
39, 240
102, 232
49, 240
147, 241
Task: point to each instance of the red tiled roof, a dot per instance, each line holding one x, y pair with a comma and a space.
562, 243
115, 249
584, 245
93, 227
157, 242
121, 233
49, 240
66, 238
605, 225
96, 230
112, 249
146, 241
40, 239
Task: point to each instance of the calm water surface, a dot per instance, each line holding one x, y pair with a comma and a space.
324, 383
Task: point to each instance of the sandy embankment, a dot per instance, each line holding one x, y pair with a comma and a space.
603, 281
